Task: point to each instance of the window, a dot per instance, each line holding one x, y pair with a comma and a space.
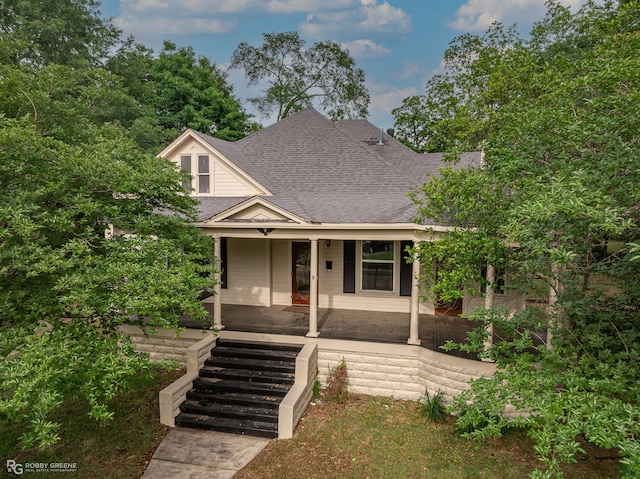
377, 265
185, 164
203, 174
200, 169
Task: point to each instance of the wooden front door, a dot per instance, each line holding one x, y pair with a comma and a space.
300, 272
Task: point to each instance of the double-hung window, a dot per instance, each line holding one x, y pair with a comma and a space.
200, 170
377, 263
185, 165
204, 177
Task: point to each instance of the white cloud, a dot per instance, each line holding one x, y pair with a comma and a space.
174, 26
210, 7
303, 6
363, 48
384, 98
369, 17
478, 15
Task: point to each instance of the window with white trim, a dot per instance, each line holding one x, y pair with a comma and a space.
185, 165
377, 266
204, 177
199, 167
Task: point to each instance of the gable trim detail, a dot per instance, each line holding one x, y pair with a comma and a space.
190, 135
256, 210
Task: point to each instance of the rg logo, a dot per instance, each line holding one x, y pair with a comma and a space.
13, 466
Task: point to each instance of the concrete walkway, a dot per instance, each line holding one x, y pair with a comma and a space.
195, 454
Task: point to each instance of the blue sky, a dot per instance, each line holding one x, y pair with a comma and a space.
398, 43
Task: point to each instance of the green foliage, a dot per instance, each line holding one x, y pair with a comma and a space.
433, 407
65, 286
558, 117
317, 386
65, 32
296, 76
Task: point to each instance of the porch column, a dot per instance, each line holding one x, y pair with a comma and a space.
217, 300
415, 301
313, 291
488, 304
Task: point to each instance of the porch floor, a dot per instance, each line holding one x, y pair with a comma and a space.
374, 326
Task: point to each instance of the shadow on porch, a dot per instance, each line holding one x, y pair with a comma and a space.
373, 326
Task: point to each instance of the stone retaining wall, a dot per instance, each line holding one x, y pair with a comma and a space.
164, 344
398, 371
393, 370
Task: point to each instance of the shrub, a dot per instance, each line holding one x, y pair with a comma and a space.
337, 384
433, 407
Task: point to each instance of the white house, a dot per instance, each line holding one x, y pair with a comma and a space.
313, 212
313, 216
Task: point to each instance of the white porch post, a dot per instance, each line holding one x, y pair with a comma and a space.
415, 301
313, 291
217, 300
488, 302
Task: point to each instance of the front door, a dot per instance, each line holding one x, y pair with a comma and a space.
301, 272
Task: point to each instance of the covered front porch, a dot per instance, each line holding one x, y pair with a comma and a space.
355, 325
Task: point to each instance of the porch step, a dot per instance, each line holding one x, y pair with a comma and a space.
264, 414
255, 364
234, 426
240, 387
240, 399
215, 385
247, 375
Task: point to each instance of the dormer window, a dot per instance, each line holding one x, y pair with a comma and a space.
204, 183
185, 164
199, 167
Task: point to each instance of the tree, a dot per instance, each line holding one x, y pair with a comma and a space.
296, 76
454, 112
66, 285
559, 195
175, 91
67, 32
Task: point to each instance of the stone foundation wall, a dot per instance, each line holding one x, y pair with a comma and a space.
398, 371
164, 344
390, 370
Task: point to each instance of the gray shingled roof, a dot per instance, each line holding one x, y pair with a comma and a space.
328, 172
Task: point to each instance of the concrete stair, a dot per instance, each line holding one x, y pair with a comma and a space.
240, 387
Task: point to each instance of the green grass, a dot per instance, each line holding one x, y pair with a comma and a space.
118, 449
364, 437
379, 438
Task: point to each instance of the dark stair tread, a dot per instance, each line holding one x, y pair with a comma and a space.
250, 375
238, 343
258, 353
240, 388
246, 427
262, 400
213, 384
248, 363
205, 408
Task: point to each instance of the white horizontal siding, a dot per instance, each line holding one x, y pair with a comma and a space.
226, 183
248, 272
281, 272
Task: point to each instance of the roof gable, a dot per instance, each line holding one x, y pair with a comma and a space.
226, 177
255, 210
